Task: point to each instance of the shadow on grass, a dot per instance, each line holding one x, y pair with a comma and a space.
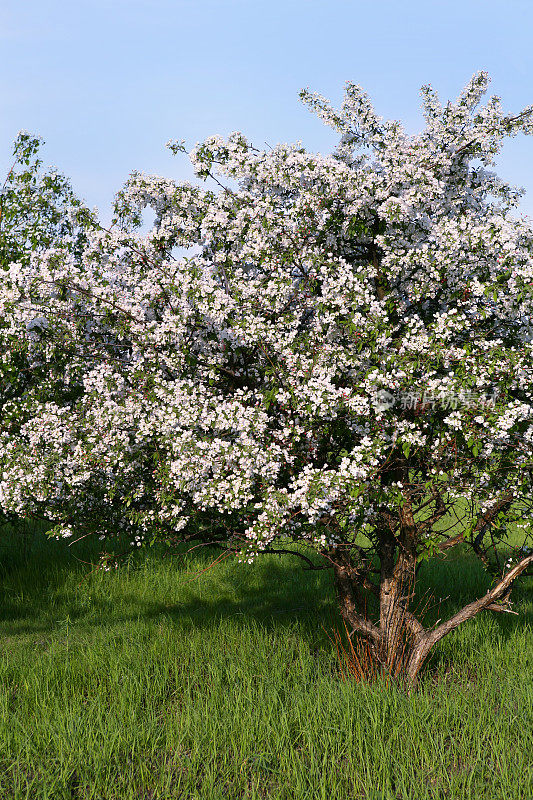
44, 581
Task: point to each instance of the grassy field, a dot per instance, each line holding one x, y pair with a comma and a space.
161, 680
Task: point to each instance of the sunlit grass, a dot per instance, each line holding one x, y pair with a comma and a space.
162, 680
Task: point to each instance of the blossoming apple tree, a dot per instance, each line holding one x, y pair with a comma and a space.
327, 355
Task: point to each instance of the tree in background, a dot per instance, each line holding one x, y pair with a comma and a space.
38, 208
341, 361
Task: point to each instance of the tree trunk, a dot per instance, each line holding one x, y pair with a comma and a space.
400, 645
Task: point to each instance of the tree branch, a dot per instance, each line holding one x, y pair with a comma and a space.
348, 604
484, 520
496, 593
281, 551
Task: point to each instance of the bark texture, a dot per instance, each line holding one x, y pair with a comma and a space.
398, 642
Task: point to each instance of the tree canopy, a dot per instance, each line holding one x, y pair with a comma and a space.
328, 351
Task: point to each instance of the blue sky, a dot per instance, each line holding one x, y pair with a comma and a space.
107, 83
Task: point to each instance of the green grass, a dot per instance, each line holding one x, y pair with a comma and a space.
155, 681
